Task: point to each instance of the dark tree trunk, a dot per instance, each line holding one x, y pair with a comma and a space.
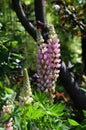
83, 43
72, 88
39, 11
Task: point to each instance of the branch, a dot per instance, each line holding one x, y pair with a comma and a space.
74, 18
72, 87
22, 17
40, 17
39, 11
81, 25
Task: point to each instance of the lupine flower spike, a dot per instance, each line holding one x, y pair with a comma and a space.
48, 62
7, 109
26, 93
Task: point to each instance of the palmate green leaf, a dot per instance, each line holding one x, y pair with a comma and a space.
34, 111
41, 97
73, 122
60, 108
55, 110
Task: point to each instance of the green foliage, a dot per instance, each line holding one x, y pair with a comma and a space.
73, 122
18, 50
40, 115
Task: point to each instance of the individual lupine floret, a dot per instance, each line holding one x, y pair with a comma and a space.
48, 62
7, 109
26, 93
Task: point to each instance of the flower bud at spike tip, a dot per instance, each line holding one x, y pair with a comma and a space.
26, 92
26, 83
48, 61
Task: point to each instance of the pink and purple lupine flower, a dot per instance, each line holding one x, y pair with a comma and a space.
48, 63
9, 125
8, 109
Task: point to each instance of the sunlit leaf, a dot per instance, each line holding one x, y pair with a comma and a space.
27, 2
73, 122
17, 55
14, 43
83, 89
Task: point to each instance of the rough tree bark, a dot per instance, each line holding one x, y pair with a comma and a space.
71, 86
83, 43
39, 7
